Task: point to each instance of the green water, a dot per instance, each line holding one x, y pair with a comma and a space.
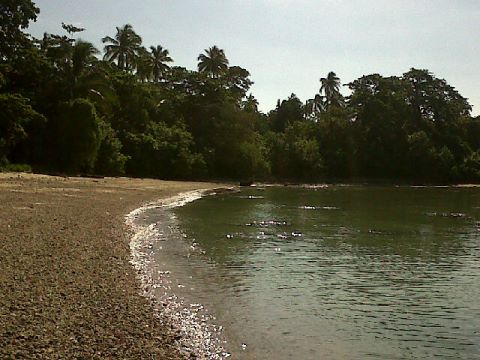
340, 272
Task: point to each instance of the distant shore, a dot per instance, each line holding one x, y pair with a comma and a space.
360, 183
67, 288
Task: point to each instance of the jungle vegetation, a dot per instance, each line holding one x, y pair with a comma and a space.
68, 107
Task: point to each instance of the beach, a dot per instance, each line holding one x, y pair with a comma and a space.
67, 287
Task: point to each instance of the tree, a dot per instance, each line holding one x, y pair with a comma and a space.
250, 104
163, 151
306, 162
83, 55
133, 113
158, 59
15, 117
295, 154
143, 65
313, 107
286, 113
236, 81
134, 107
380, 116
74, 65
472, 128
110, 160
335, 135
471, 167
80, 136
330, 86
123, 48
421, 155
434, 99
213, 62
71, 29
59, 50
440, 111
15, 15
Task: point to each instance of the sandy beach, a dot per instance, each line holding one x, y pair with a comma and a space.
67, 288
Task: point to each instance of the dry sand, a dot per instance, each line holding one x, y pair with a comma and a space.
67, 289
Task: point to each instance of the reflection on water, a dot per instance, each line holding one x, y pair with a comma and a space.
336, 273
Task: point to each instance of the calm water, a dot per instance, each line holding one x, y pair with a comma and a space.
336, 273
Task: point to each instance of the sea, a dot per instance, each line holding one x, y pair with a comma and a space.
325, 272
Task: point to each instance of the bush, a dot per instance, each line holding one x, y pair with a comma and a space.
16, 168
163, 151
15, 115
471, 167
79, 135
110, 160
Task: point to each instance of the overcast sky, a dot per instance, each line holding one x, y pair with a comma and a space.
287, 45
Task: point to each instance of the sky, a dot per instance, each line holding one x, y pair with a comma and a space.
288, 45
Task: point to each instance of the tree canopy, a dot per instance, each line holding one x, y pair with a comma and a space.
123, 48
15, 15
213, 62
67, 107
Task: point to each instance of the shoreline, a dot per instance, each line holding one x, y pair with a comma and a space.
196, 334
360, 184
67, 287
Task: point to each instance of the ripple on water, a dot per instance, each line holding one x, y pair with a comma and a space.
389, 275
311, 207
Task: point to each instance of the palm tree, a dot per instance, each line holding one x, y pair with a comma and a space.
213, 62
83, 54
250, 104
158, 59
314, 106
123, 48
73, 59
143, 65
331, 87
82, 60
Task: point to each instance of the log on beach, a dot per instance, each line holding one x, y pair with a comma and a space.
67, 289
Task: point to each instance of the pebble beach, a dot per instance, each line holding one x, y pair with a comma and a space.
68, 289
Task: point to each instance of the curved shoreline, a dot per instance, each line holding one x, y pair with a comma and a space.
67, 287
196, 336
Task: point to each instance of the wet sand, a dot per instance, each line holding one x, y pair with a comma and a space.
67, 288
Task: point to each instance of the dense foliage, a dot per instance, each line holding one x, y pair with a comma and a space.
66, 108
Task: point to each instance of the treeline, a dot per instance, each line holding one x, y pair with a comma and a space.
66, 107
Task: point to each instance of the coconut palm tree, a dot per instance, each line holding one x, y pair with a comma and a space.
123, 48
314, 106
250, 104
330, 86
158, 59
213, 62
143, 65
83, 54
73, 59
89, 77
81, 65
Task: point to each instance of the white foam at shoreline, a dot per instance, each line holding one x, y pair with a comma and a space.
195, 334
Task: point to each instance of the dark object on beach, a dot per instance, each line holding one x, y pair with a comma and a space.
246, 183
92, 176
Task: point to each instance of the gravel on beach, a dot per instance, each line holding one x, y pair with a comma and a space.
67, 289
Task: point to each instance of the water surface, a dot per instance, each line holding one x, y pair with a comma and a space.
336, 273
